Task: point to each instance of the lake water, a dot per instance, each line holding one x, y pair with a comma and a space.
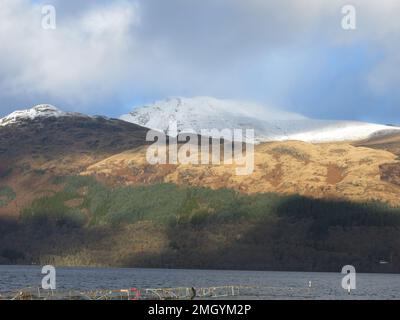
264, 284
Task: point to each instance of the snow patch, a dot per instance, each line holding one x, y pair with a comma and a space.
39, 111
269, 124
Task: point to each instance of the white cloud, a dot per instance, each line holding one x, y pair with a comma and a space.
103, 50
81, 61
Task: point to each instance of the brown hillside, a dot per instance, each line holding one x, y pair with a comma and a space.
333, 170
389, 143
33, 152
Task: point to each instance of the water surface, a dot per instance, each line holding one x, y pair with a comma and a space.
266, 284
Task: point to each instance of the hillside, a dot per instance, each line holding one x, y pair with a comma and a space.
162, 225
35, 150
334, 170
390, 142
77, 190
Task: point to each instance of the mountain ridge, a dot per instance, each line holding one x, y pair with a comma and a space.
38, 111
79, 191
193, 115
270, 124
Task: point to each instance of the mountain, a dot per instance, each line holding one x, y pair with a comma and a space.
78, 190
41, 111
55, 143
44, 130
270, 124
44, 142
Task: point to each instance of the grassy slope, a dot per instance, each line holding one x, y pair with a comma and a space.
164, 225
79, 221
331, 170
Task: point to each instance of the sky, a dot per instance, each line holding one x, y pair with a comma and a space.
106, 57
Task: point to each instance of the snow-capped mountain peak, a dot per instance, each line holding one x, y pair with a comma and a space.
269, 124
39, 111
195, 114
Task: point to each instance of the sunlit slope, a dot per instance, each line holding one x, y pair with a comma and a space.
333, 170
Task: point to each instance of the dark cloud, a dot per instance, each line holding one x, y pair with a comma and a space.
106, 56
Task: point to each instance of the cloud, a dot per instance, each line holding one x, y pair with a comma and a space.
79, 62
106, 56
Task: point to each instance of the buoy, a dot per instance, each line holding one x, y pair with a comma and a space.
309, 284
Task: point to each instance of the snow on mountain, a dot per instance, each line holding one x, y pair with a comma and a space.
39, 111
269, 124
